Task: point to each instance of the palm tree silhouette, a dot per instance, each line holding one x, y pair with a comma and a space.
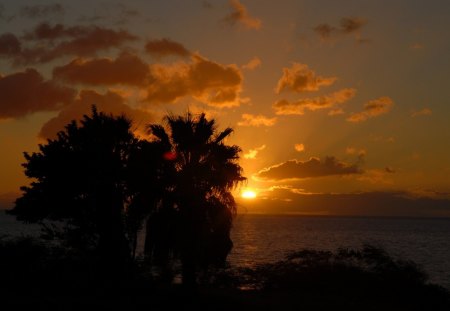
206, 172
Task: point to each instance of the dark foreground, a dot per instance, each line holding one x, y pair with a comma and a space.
38, 277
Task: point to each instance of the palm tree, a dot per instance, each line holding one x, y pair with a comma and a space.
207, 170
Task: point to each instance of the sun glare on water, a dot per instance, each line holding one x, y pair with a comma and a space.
248, 194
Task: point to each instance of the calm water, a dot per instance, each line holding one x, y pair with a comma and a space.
265, 238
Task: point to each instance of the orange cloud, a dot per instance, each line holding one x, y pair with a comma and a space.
372, 109
207, 81
126, 69
284, 107
422, 112
110, 102
299, 147
314, 167
353, 150
26, 92
256, 120
240, 15
254, 63
351, 24
299, 78
252, 153
165, 47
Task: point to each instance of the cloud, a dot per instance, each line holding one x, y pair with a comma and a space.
9, 45
284, 107
356, 151
166, 47
27, 92
336, 112
299, 78
240, 15
254, 63
422, 112
256, 120
41, 10
325, 31
347, 26
56, 41
110, 102
299, 147
126, 69
351, 24
389, 203
207, 81
252, 153
314, 167
372, 109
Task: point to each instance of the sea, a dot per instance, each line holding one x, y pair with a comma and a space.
267, 238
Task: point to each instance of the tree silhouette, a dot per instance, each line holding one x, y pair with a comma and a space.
80, 179
201, 201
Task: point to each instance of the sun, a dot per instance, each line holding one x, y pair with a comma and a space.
248, 194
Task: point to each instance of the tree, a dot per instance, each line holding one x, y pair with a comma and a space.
80, 179
206, 171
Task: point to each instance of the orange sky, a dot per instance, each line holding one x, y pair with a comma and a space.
340, 107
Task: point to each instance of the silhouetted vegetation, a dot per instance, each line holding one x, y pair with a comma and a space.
40, 275
96, 185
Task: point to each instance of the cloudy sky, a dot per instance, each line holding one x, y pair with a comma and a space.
340, 107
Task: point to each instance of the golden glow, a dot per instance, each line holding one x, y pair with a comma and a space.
248, 194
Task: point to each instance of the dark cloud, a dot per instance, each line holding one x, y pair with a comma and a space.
41, 10
110, 102
207, 81
314, 167
300, 78
280, 200
166, 47
325, 31
58, 40
285, 107
240, 15
9, 45
372, 109
27, 92
126, 69
347, 26
351, 24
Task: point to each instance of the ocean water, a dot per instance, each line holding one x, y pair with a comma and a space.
268, 238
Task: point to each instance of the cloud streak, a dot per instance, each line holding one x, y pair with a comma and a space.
314, 167
285, 107
347, 26
166, 47
373, 108
52, 42
256, 120
126, 69
240, 15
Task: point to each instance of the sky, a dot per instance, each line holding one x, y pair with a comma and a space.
339, 107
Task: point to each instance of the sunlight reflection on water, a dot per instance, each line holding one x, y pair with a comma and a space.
265, 238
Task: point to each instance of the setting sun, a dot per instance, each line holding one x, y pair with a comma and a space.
248, 194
